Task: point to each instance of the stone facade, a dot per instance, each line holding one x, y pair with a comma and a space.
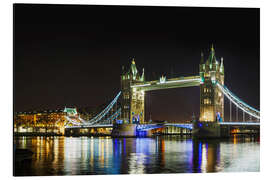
132, 101
211, 97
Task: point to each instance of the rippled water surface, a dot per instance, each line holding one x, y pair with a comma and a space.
105, 155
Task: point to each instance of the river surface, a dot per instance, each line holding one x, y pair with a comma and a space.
163, 154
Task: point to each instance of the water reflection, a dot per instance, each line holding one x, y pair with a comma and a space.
206, 156
104, 155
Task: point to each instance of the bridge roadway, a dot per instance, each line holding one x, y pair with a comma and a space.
226, 129
91, 126
180, 125
190, 126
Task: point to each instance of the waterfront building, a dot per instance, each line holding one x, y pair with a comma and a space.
39, 121
51, 121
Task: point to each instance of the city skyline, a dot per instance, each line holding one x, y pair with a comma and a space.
64, 60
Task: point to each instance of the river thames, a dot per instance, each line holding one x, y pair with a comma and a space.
162, 154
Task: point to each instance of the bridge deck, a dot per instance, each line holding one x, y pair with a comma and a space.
92, 126
182, 125
240, 123
170, 83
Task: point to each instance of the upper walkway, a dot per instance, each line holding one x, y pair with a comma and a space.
164, 83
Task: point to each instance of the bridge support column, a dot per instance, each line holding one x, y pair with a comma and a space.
206, 130
211, 97
72, 132
124, 130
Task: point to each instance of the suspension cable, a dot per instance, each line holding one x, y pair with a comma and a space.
239, 103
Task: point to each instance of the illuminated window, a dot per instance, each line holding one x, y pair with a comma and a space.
207, 101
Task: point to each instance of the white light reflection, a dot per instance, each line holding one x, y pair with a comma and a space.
204, 159
92, 153
72, 154
136, 163
55, 150
84, 143
107, 152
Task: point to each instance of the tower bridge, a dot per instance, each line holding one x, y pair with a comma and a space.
129, 119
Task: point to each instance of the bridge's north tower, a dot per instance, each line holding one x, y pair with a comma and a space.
132, 102
211, 97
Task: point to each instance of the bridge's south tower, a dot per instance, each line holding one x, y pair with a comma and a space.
132, 102
211, 97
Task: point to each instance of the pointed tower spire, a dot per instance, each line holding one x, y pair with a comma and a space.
123, 69
133, 61
202, 58
142, 77
212, 58
221, 69
193, 117
133, 69
212, 48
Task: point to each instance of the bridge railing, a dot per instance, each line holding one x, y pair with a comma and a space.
146, 127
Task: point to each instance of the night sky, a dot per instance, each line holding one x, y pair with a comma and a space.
68, 55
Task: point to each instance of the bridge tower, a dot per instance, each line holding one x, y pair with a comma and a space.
211, 97
132, 100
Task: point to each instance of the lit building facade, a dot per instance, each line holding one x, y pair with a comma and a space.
211, 97
132, 102
39, 121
